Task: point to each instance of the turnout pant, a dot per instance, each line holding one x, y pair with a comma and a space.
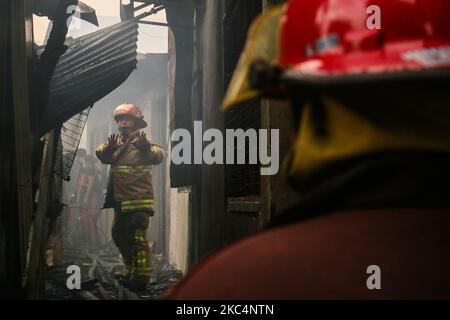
129, 235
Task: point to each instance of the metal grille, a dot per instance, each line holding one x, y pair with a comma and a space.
240, 180
71, 133
243, 179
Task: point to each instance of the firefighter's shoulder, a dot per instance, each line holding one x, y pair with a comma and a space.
328, 257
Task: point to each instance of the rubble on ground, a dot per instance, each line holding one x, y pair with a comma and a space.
98, 281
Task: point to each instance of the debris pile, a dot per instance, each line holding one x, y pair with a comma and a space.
98, 276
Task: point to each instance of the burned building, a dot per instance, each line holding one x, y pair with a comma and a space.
48, 92
42, 88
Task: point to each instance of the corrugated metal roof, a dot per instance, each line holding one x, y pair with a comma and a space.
93, 66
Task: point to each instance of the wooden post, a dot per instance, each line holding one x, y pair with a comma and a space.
36, 270
21, 48
266, 201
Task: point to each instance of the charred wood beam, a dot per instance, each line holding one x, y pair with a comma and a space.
36, 269
153, 23
20, 54
154, 10
48, 8
53, 50
55, 45
174, 4
183, 62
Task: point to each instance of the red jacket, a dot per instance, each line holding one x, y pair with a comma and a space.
327, 258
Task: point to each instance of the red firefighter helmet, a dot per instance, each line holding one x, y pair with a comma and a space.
329, 37
131, 110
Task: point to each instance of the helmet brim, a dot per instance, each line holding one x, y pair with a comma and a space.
393, 58
424, 78
140, 123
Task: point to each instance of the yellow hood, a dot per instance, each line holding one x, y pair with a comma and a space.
262, 43
349, 134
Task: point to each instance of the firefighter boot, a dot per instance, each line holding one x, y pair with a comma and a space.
127, 270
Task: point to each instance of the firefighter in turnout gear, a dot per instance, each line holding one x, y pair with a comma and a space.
130, 191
